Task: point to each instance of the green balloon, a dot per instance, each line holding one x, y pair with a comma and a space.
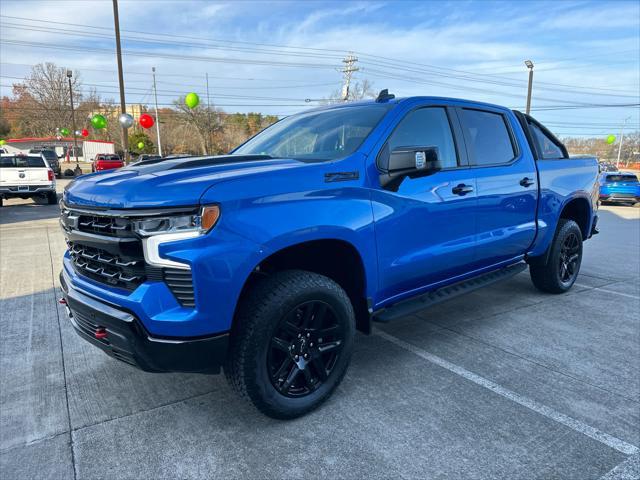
140, 145
611, 139
98, 121
64, 131
3, 142
192, 100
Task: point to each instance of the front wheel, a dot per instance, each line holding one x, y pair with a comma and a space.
561, 270
291, 343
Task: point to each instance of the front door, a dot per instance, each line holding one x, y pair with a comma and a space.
425, 231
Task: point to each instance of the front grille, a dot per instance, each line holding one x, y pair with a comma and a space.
102, 266
111, 226
180, 282
118, 261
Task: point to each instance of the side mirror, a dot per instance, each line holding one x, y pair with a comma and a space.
412, 162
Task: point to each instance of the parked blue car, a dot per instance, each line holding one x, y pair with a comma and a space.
267, 260
619, 187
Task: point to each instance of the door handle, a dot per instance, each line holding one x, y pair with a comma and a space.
462, 189
526, 182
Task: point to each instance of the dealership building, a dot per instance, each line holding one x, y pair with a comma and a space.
63, 146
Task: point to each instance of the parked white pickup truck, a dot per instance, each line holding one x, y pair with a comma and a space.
26, 176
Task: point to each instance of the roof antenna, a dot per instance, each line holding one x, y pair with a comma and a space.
384, 96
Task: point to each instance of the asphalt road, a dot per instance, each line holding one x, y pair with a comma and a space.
505, 382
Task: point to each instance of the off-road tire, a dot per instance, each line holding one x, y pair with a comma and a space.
258, 317
548, 277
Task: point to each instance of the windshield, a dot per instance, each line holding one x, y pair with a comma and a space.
22, 162
317, 136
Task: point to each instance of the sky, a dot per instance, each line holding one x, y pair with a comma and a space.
284, 57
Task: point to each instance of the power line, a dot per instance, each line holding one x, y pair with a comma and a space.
383, 62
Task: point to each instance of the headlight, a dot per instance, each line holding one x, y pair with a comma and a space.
200, 222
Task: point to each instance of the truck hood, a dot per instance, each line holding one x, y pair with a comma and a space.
167, 183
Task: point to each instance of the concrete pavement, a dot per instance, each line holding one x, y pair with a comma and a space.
506, 382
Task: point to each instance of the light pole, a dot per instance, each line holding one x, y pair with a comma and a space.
123, 105
529, 65
77, 171
621, 139
155, 96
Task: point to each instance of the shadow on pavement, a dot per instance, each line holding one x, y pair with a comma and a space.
19, 210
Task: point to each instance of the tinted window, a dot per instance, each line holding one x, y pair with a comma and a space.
323, 135
487, 136
622, 178
547, 147
22, 162
50, 155
426, 127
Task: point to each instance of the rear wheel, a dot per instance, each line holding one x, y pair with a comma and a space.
292, 343
52, 198
561, 270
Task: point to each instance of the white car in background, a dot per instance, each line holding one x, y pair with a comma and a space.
26, 176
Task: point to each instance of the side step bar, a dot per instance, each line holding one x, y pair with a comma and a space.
412, 305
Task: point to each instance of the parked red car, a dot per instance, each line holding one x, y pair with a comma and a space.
106, 161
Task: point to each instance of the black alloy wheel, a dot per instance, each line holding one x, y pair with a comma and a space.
304, 349
569, 258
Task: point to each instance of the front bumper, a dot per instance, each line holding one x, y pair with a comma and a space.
120, 334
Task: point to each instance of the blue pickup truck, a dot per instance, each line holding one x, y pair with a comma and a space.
267, 260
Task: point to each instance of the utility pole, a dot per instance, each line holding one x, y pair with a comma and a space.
78, 171
123, 105
347, 73
155, 96
208, 116
529, 65
621, 139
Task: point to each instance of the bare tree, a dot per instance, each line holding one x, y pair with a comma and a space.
359, 90
45, 93
203, 121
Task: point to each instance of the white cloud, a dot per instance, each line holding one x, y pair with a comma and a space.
481, 37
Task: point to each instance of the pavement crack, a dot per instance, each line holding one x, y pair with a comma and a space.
64, 368
132, 414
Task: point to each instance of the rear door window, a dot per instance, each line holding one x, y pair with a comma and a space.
488, 138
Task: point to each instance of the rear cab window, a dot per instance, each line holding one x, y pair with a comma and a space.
18, 161
621, 178
488, 137
547, 147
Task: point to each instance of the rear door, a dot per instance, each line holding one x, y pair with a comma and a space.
506, 182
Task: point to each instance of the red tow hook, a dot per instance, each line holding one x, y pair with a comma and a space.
62, 301
100, 333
